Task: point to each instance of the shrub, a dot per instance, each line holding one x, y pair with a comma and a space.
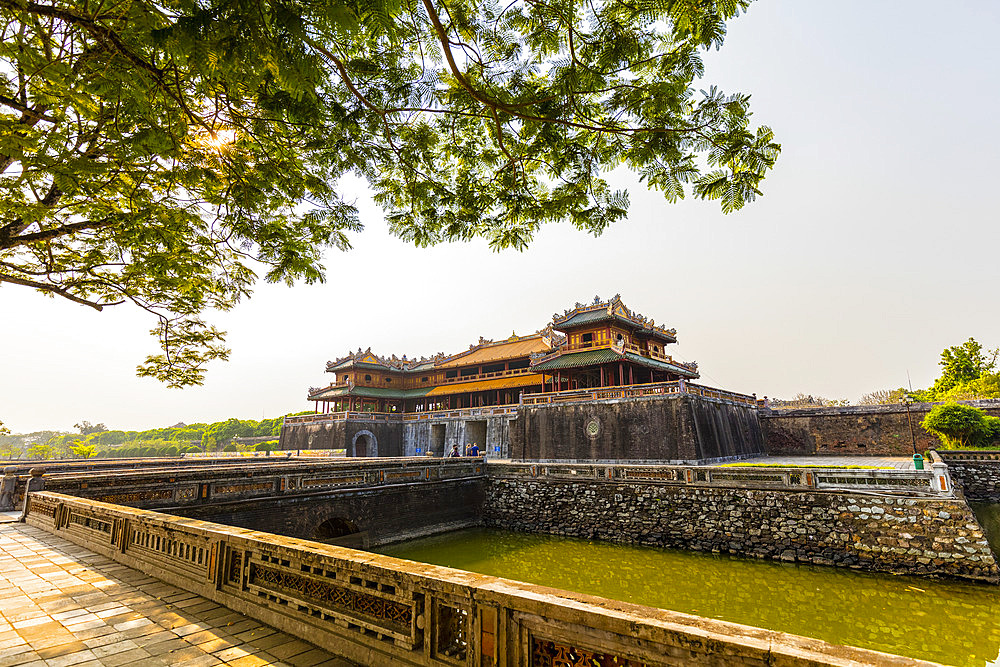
961, 426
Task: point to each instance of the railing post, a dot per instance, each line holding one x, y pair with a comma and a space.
941, 481
35, 483
7, 488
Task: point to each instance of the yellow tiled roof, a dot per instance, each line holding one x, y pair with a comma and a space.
486, 385
497, 352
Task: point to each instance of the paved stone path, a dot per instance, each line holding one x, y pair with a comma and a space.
898, 462
62, 605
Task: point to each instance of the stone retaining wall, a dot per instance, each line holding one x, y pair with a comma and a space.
867, 531
390, 513
976, 472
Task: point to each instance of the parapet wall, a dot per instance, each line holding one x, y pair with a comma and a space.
871, 531
976, 472
380, 610
862, 430
673, 427
378, 515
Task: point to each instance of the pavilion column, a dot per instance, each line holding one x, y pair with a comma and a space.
602, 375
630, 380
621, 374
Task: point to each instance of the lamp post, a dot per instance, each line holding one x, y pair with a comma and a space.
906, 401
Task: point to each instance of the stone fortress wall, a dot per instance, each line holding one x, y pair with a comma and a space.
859, 430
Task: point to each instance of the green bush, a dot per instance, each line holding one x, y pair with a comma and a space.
962, 426
268, 446
192, 449
230, 448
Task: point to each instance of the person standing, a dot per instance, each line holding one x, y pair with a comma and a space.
454, 452
473, 450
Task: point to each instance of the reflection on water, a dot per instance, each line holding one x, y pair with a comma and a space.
944, 621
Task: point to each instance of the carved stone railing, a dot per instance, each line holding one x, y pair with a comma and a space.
359, 415
637, 391
202, 485
931, 482
485, 411
381, 610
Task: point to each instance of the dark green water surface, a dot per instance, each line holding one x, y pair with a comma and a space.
943, 621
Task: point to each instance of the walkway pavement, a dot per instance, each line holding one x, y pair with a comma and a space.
62, 605
898, 462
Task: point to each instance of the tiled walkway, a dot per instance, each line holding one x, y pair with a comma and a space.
898, 462
63, 605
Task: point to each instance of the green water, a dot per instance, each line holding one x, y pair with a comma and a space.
943, 621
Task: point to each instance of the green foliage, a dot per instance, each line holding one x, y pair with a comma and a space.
961, 426
883, 397
43, 452
268, 446
230, 448
82, 451
157, 154
961, 367
808, 401
86, 428
192, 449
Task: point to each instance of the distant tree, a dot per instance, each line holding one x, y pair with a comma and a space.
86, 428
230, 448
963, 364
43, 452
4, 430
808, 401
961, 426
82, 451
883, 397
8, 449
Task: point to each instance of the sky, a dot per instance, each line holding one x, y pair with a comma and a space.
874, 248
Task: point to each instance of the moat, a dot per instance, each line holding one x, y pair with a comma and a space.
933, 619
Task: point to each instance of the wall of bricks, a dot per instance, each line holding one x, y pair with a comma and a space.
863, 430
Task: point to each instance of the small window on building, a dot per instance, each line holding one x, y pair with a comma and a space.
587, 337
425, 379
388, 380
368, 378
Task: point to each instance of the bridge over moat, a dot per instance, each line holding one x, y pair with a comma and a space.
378, 610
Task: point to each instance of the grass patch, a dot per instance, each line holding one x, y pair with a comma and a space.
801, 465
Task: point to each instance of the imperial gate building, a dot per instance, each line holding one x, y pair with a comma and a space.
595, 383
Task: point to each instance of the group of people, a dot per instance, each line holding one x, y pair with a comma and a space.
470, 450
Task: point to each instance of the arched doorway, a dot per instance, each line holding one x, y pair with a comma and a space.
340, 531
364, 444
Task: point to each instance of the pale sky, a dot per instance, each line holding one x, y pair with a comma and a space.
874, 247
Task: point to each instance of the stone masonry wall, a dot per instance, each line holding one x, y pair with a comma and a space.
382, 515
340, 435
978, 479
916, 536
666, 428
872, 430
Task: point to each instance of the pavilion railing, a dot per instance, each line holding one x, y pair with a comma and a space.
638, 390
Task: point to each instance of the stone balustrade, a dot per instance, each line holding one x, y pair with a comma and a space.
931, 482
381, 610
244, 480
